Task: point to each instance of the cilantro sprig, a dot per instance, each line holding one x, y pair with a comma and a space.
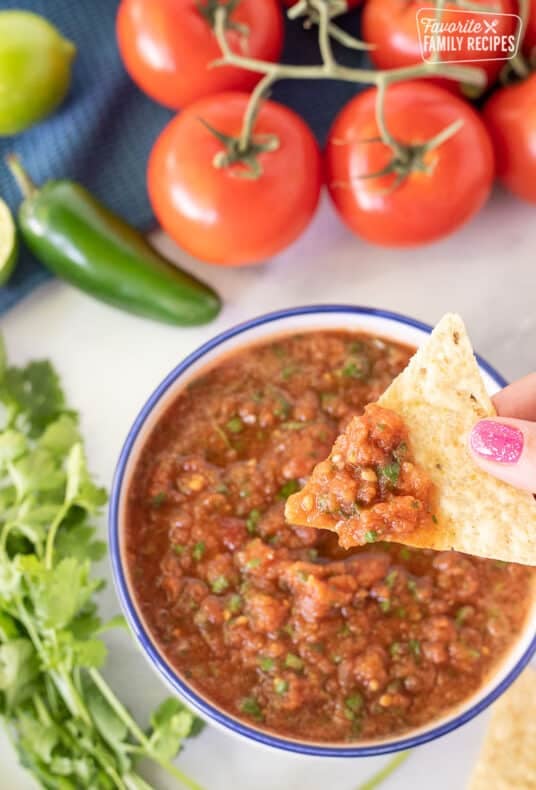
69, 728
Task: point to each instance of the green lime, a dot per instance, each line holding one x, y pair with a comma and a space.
35, 69
9, 245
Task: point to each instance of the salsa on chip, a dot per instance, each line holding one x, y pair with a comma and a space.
402, 471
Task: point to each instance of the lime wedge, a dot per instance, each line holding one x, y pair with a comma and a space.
8, 243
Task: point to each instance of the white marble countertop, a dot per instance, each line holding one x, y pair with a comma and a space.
110, 362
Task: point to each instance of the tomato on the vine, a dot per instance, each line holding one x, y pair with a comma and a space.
424, 197
168, 46
224, 214
391, 26
510, 117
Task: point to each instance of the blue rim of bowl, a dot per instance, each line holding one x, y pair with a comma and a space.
173, 679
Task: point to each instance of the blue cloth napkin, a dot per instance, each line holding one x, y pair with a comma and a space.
103, 133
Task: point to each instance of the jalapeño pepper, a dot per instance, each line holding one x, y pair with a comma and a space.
83, 242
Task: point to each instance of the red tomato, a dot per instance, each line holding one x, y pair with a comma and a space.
391, 25
529, 39
510, 116
217, 215
167, 46
427, 204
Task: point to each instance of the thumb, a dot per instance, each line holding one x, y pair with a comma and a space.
506, 448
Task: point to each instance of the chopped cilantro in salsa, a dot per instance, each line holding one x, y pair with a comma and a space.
293, 662
290, 487
235, 425
251, 707
219, 585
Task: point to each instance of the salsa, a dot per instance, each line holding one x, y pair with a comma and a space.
369, 488
276, 623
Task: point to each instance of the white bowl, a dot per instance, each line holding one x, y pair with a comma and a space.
316, 317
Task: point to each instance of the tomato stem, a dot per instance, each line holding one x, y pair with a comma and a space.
246, 150
304, 8
442, 136
252, 111
233, 154
324, 41
348, 41
400, 151
406, 157
336, 71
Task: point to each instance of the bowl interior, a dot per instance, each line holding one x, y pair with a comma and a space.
379, 323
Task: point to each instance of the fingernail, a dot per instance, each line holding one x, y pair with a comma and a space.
497, 441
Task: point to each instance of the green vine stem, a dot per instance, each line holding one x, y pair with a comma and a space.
247, 148
406, 157
279, 71
254, 105
306, 9
324, 41
399, 151
334, 8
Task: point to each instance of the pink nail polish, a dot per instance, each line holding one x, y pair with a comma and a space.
497, 441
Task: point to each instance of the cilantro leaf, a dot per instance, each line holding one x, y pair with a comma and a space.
171, 723
37, 471
60, 435
10, 581
59, 593
19, 666
81, 490
87, 623
79, 542
38, 737
33, 391
89, 653
8, 628
13, 444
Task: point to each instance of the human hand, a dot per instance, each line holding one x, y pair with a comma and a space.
505, 446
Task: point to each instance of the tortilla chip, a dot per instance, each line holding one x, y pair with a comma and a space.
440, 396
507, 760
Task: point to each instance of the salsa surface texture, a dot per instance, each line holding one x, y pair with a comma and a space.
275, 623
